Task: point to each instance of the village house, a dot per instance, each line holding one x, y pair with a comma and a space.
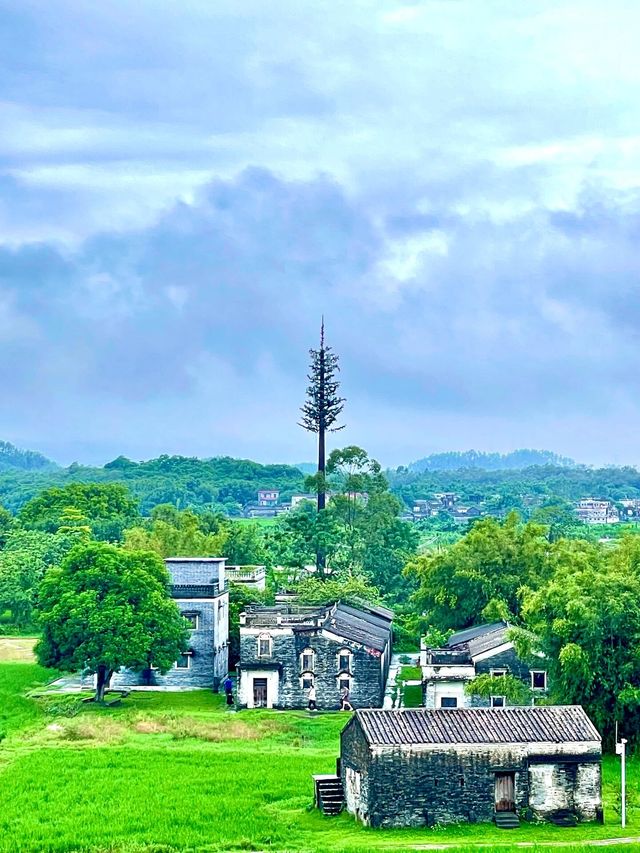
592, 511
421, 767
286, 649
483, 649
198, 587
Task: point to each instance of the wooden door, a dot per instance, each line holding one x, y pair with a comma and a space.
505, 792
259, 692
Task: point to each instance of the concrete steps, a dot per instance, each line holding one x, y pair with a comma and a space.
329, 794
506, 820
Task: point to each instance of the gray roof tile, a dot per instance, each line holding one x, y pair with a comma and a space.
540, 724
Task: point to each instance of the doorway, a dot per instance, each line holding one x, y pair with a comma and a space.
259, 692
505, 792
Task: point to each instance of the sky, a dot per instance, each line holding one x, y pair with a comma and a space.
187, 188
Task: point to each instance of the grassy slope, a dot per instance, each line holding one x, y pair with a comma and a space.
178, 770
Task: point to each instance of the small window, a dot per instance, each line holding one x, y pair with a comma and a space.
498, 701
448, 702
264, 646
307, 660
538, 679
498, 673
193, 619
344, 660
184, 661
344, 682
307, 681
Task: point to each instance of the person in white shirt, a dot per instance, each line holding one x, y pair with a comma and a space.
312, 697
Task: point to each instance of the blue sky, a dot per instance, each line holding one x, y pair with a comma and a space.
185, 188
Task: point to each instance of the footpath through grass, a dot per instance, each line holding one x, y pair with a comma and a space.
169, 771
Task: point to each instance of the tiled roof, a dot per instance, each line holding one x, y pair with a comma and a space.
540, 724
488, 641
360, 627
471, 633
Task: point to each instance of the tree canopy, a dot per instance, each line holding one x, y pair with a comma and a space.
105, 608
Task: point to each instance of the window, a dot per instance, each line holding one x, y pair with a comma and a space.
307, 681
538, 679
184, 661
193, 619
497, 673
344, 660
307, 660
344, 682
448, 702
498, 701
264, 646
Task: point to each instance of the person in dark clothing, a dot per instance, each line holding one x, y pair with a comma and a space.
228, 689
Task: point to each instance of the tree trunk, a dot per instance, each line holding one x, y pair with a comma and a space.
103, 678
321, 557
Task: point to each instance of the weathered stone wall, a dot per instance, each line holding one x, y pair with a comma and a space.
209, 644
508, 660
414, 786
354, 771
367, 670
196, 571
566, 785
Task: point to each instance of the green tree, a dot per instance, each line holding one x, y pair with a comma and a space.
6, 524
350, 589
482, 576
244, 544
587, 618
513, 689
174, 533
24, 560
107, 507
106, 608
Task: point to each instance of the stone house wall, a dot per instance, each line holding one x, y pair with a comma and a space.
367, 671
209, 643
418, 786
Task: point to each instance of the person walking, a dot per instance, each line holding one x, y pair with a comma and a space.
345, 704
312, 697
228, 690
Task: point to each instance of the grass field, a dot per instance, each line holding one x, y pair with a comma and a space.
171, 771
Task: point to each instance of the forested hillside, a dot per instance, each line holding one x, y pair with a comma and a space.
221, 483
23, 460
517, 459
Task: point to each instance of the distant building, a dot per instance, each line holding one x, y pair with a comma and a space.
593, 511
630, 508
484, 649
267, 505
252, 577
296, 500
198, 588
286, 649
421, 767
268, 497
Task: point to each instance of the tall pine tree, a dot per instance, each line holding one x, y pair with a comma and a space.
320, 412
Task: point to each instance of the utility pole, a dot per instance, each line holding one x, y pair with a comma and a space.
621, 750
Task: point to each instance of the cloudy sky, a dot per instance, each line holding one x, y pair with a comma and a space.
186, 187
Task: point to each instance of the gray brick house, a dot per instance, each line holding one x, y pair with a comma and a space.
285, 649
198, 588
420, 767
483, 649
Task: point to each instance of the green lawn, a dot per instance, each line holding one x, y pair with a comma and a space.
171, 771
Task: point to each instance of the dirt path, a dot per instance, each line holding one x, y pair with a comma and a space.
18, 649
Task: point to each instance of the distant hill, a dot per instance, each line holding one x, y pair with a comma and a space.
25, 460
221, 483
307, 467
516, 460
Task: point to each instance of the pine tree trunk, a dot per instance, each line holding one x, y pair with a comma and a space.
103, 677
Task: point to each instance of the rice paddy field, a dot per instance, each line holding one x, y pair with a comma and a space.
177, 772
